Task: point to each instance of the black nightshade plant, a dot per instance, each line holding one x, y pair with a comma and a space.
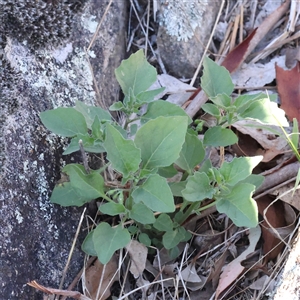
41, 23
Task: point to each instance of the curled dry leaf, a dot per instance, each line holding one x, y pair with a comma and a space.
233, 270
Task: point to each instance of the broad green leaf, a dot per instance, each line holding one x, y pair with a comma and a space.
222, 100
163, 108
244, 101
163, 223
135, 73
144, 239
167, 172
117, 106
238, 169
254, 179
88, 245
172, 238
112, 209
64, 121
265, 111
216, 79
90, 186
239, 206
124, 156
205, 166
155, 194
219, 136
107, 240
160, 141
148, 96
211, 109
191, 154
65, 194
142, 214
96, 129
90, 112
177, 188
89, 143
198, 188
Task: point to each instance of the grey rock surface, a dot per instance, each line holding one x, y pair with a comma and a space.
35, 235
185, 28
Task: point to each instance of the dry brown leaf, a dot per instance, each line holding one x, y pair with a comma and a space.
288, 82
272, 144
275, 215
51, 291
97, 272
138, 255
288, 195
233, 270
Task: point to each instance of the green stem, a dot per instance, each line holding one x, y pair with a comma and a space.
207, 206
188, 212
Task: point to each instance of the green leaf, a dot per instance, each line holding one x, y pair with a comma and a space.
238, 169
218, 136
148, 96
65, 194
198, 188
89, 186
163, 223
177, 188
144, 239
216, 79
88, 245
163, 108
172, 238
112, 209
295, 134
191, 154
160, 141
155, 194
239, 206
64, 121
167, 172
244, 101
89, 143
265, 111
90, 112
124, 156
117, 106
107, 240
211, 109
222, 100
135, 73
254, 179
142, 214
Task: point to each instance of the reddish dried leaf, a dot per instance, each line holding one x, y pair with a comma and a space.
237, 56
288, 82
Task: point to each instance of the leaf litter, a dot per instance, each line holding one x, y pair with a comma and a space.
223, 261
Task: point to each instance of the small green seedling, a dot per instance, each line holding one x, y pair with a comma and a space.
143, 157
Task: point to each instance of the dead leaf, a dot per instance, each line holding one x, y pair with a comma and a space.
233, 270
288, 83
288, 195
97, 273
271, 144
292, 55
275, 215
189, 274
138, 255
